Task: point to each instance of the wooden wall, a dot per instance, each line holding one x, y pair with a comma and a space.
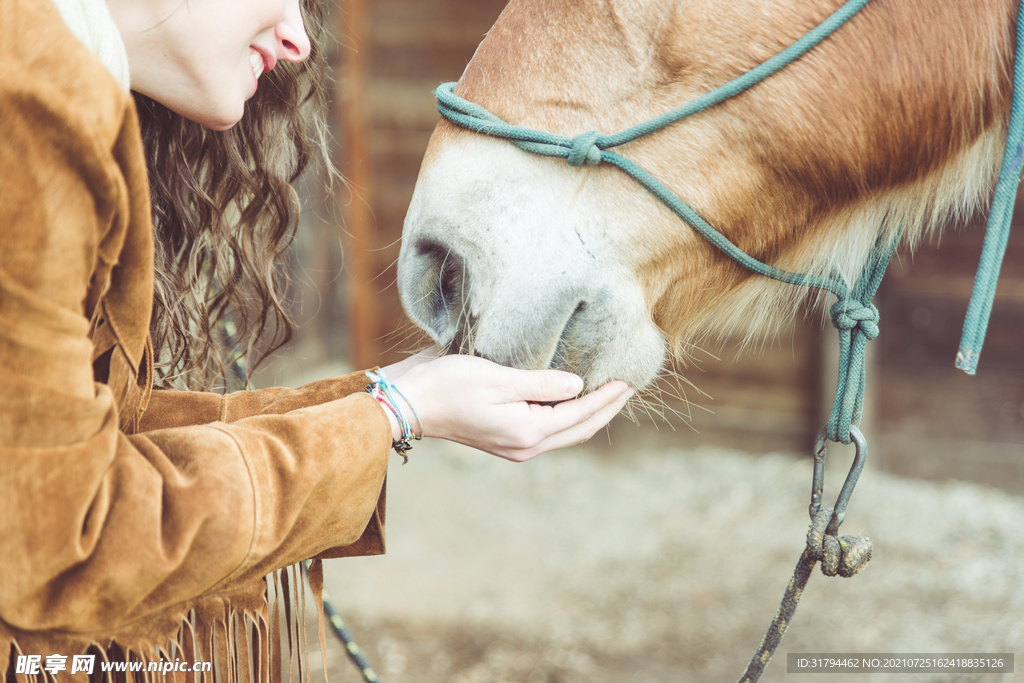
936, 421
393, 54
928, 419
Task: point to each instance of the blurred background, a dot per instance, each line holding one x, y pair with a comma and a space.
612, 561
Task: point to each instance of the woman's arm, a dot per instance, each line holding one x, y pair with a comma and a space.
184, 408
459, 398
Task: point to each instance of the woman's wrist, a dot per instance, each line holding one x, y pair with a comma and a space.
396, 429
410, 412
403, 420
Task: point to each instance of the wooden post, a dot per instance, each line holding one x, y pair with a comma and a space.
356, 165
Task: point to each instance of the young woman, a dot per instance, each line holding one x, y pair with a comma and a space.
130, 517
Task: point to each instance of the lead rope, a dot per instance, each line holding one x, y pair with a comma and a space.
997, 228
845, 556
853, 314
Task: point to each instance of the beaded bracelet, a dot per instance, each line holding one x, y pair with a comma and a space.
387, 394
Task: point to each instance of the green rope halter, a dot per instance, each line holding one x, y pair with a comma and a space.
853, 314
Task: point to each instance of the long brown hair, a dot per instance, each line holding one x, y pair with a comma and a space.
224, 211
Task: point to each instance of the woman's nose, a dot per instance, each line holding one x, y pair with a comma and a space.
290, 34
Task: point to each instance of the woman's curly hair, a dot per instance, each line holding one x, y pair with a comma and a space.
224, 211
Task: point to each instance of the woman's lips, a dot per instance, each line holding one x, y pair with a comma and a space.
261, 60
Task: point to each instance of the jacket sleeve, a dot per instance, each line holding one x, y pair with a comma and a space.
169, 409
184, 408
98, 528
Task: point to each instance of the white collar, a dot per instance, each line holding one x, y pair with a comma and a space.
92, 24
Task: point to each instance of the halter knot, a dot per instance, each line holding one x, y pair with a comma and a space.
848, 314
583, 150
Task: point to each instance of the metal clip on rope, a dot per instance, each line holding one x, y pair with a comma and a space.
845, 556
818, 479
853, 552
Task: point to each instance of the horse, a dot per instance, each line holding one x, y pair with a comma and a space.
890, 129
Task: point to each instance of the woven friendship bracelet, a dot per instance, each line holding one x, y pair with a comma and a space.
387, 395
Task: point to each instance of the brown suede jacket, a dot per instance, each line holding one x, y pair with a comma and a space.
130, 516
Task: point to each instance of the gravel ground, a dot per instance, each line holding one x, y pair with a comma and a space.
609, 565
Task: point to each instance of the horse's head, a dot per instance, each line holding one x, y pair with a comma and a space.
533, 263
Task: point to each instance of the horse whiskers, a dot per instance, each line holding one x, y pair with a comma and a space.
679, 380
657, 409
464, 339
660, 401
407, 336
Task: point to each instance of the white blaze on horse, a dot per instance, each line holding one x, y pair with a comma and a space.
895, 122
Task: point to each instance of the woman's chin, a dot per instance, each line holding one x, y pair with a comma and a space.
221, 126
221, 116
216, 111
223, 121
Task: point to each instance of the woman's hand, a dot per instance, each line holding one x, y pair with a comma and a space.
494, 408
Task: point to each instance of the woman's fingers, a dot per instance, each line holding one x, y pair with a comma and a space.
540, 385
511, 385
497, 409
566, 415
572, 422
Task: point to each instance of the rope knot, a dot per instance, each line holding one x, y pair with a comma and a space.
848, 314
583, 150
842, 555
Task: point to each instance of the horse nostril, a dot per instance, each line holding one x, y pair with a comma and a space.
568, 352
442, 281
448, 285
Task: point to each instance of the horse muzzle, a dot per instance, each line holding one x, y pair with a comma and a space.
502, 259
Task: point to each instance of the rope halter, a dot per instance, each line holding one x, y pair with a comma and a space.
592, 148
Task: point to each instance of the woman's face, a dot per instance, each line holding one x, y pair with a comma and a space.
203, 58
